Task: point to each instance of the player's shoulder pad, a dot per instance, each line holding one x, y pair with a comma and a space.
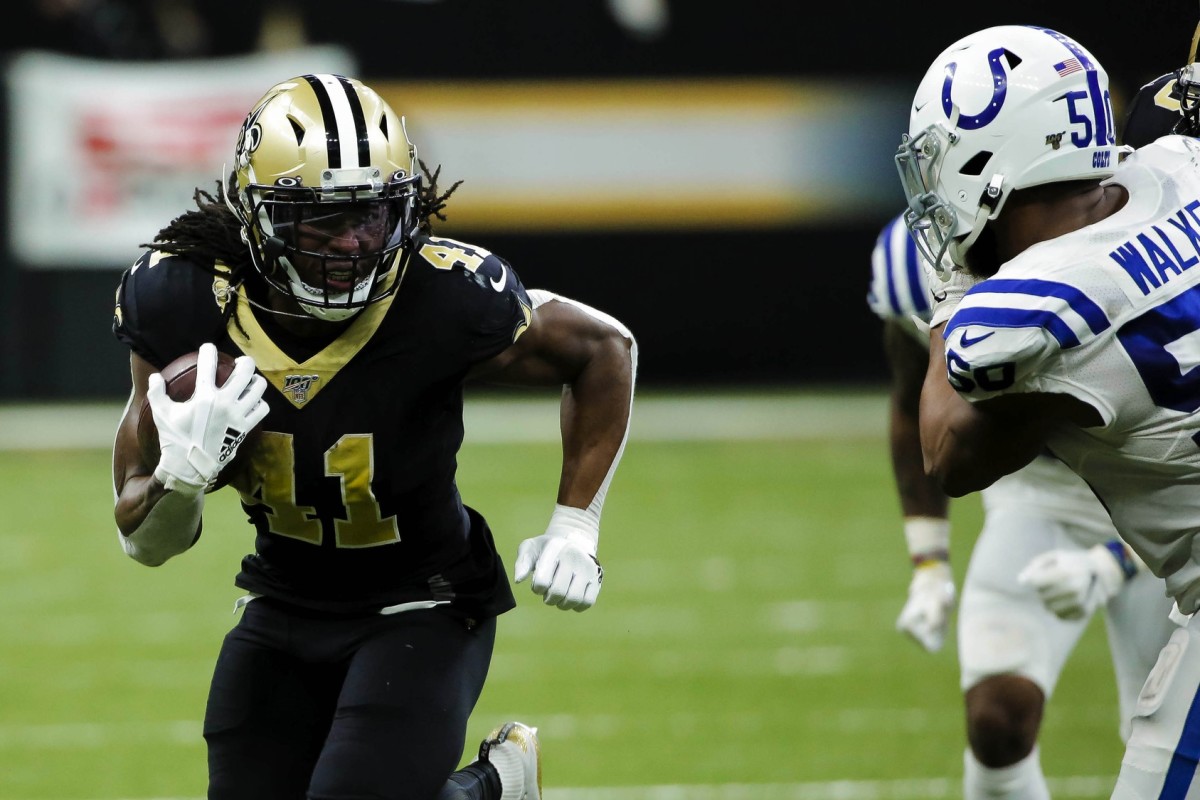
1153, 112
164, 301
489, 278
154, 270
991, 350
489, 298
167, 283
451, 256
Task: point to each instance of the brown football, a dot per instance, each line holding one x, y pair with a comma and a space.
180, 379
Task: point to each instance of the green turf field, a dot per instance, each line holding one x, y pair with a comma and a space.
742, 647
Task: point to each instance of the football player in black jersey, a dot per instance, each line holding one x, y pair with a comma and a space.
1168, 104
369, 616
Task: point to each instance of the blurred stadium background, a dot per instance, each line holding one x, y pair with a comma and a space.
712, 174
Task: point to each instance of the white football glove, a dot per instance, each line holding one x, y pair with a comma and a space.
563, 560
1074, 583
200, 435
926, 615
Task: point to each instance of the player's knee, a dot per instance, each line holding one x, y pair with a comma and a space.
1004, 713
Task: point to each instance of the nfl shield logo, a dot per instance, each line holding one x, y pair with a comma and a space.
298, 387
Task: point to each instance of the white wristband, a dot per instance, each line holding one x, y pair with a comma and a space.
928, 538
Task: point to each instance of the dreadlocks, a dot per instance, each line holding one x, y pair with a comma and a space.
429, 203
206, 234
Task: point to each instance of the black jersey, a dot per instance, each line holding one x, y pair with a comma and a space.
352, 485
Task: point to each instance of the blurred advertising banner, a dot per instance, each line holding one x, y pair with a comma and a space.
102, 154
658, 154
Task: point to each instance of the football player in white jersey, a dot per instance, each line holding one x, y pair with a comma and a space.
1068, 318
1047, 558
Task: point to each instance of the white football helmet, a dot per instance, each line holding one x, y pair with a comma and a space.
1003, 109
326, 189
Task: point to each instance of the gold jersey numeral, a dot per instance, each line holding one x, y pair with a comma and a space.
352, 461
271, 483
1164, 100
444, 253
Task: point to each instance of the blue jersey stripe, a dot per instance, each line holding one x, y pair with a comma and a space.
898, 288
1079, 302
1183, 762
1014, 318
916, 276
889, 270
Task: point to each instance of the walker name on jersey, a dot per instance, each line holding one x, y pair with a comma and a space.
1162, 251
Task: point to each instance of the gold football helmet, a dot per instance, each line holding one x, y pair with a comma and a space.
325, 184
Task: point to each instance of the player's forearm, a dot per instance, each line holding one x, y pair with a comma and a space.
908, 363
156, 524
919, 494
595, 422
962, 448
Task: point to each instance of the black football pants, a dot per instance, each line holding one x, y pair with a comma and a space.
342, 708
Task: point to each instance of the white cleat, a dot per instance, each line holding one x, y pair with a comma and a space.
513, 750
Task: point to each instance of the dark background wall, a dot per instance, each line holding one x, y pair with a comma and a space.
704, 313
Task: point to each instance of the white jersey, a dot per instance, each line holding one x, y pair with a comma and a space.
1110, 314
899, 291
1003, 626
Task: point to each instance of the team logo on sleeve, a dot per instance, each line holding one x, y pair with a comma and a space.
221, 288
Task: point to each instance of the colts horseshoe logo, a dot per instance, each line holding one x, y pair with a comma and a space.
972, 122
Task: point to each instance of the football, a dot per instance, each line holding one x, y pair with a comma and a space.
180, 379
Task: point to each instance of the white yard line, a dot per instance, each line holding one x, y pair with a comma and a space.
696, 416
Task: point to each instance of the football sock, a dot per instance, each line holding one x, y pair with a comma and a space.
1021, 781
477, 781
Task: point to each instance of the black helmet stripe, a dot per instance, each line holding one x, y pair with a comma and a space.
345, 123
360, 122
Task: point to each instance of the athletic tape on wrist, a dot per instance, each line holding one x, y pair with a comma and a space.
928, 539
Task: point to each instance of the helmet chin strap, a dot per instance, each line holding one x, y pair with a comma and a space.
990, 201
